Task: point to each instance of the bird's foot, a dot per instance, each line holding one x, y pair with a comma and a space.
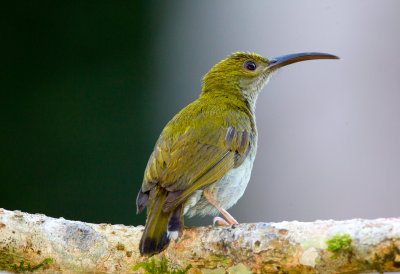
219, 221
229, 218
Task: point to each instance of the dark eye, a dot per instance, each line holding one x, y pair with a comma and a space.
250, 65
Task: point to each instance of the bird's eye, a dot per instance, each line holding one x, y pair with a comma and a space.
250, 65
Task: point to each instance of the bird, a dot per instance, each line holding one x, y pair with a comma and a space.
202, 162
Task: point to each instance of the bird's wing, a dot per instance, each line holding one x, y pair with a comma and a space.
198, 156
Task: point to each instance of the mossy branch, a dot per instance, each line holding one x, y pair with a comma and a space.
50, 244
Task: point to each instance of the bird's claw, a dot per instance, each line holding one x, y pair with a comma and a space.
219, 221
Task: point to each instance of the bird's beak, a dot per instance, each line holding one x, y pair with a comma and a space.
284, 60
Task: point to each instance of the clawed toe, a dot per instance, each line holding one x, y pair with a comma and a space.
219, 221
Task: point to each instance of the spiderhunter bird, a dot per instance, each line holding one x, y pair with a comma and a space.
202, 161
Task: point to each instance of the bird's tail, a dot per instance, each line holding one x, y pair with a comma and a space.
161, 226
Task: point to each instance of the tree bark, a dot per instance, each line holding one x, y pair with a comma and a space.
73, 246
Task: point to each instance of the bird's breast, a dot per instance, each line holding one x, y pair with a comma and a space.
226, 191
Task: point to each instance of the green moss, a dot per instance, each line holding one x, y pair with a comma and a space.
9, 261
215, 260
240, 269
159, 267
219, 270
24, 266
340, 243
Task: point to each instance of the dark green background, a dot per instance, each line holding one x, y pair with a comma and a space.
75, 135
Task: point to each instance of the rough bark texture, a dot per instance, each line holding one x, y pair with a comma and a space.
372, 245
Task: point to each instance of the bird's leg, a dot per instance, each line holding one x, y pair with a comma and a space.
218, 220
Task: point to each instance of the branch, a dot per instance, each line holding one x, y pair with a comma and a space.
73, 246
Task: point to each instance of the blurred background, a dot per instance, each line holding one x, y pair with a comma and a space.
89, 86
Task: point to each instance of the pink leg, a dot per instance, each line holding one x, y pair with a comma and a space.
228, 216
219, 221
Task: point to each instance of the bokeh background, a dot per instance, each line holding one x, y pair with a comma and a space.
89, 86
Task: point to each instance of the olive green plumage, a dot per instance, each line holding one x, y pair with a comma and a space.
193, 151
210, 145
188, 147
198, 142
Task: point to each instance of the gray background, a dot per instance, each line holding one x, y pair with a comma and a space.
329, 131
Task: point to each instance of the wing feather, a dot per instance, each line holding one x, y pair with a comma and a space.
202, 152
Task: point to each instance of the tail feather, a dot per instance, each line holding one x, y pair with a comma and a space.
160, 226
175, 223
141, 200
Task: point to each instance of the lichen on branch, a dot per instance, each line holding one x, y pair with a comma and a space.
321, 246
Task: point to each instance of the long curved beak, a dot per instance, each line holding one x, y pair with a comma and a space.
284, 60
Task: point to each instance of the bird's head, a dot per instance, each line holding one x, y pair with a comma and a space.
249, 72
